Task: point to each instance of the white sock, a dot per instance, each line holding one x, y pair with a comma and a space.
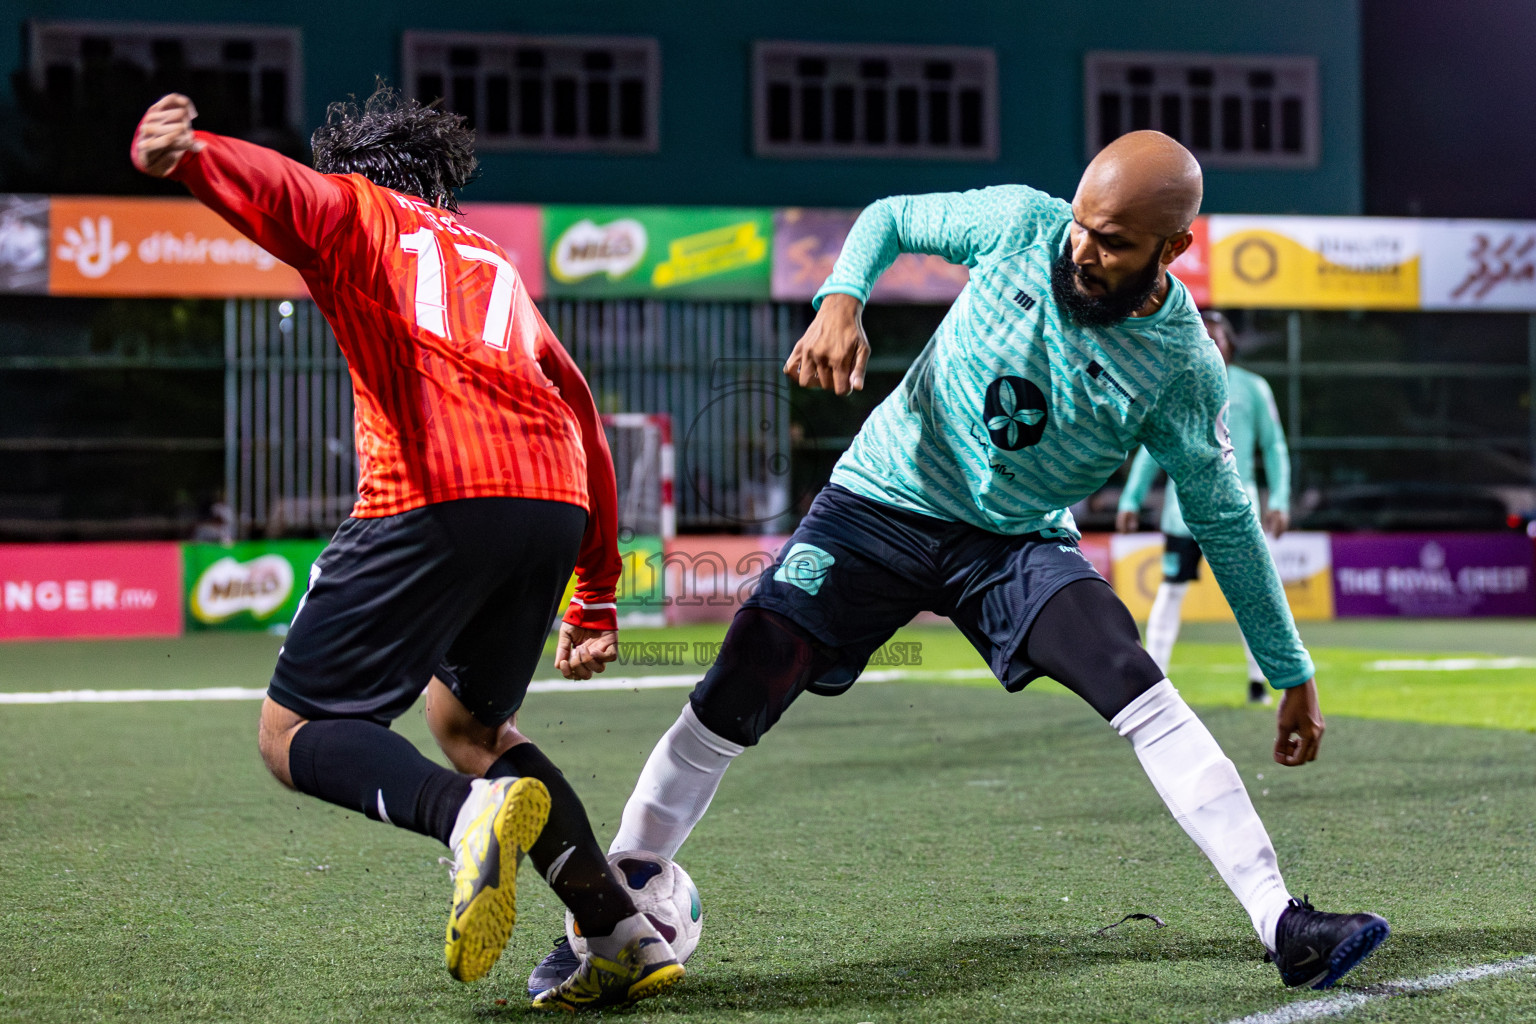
1202, 789
1163, 622
635, 926
676, 785
1255, 673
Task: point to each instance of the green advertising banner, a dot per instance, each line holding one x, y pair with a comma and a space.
250, 585
640, 583
700, 252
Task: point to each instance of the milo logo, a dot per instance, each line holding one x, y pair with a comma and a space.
587, 248
228, 587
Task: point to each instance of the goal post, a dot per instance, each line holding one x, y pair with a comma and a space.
641, 443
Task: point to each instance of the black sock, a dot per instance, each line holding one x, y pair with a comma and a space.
584, 882
362, 766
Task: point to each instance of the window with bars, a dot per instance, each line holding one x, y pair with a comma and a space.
830, 100
1230, 110
253, 72
562, 93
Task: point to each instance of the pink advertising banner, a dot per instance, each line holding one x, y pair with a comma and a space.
806, 243
75, 591
519, 230
708, 576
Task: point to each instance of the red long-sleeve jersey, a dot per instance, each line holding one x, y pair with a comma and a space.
461, 388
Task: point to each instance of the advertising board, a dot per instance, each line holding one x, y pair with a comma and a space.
1479, 264
78, 591
1433, 574
807, 242
24, 243
700, 252
1303, 559
519, 230
173, 248
248, 585
1315, 262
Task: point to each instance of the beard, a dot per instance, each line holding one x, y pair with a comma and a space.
1100, 310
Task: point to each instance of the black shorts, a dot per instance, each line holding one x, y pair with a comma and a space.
857, 570
1181, 559
465, 590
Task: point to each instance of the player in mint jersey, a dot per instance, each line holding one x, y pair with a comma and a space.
1253, 422
1070, 346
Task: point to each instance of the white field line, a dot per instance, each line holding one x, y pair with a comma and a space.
541, 686
1338, 1006
1447, 664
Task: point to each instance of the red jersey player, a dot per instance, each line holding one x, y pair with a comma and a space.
484, 479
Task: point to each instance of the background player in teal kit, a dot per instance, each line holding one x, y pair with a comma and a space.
1070, 346
1253, 422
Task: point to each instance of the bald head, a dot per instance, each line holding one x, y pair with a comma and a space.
1144, 181
1130, 220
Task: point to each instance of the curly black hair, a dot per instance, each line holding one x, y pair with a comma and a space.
421, 150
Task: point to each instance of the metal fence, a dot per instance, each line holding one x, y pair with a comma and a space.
1370, 398
1365, 397
290, 466
714, 366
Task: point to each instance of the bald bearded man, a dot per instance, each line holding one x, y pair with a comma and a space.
1070, 346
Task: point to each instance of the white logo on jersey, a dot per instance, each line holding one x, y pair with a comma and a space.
1224, 435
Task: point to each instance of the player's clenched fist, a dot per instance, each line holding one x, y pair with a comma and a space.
834, 349
1300, 725
164, 135
580, 652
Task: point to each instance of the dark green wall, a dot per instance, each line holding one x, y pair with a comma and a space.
705, 154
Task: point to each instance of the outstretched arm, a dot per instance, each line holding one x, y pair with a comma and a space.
588, 634
1186, 434
962, 227
281, 205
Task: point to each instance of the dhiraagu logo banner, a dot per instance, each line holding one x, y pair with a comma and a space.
1315, 262
634, 251
251, 585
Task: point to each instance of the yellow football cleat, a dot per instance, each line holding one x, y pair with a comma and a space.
644, 968
485, 860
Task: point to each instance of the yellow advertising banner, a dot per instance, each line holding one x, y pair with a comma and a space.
1305, 561
1315, 262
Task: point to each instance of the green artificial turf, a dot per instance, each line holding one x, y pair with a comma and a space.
905, 853
1207, 667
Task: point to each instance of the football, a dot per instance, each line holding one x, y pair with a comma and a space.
663, 892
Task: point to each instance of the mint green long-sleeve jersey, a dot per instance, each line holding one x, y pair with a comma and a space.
1013, 412
1255, 424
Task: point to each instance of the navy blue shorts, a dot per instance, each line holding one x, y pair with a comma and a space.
465, 590
857, 570
1181, 558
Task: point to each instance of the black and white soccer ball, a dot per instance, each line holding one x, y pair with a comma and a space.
663, 892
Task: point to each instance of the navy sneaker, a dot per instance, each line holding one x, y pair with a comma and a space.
560, 963
1317, 949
